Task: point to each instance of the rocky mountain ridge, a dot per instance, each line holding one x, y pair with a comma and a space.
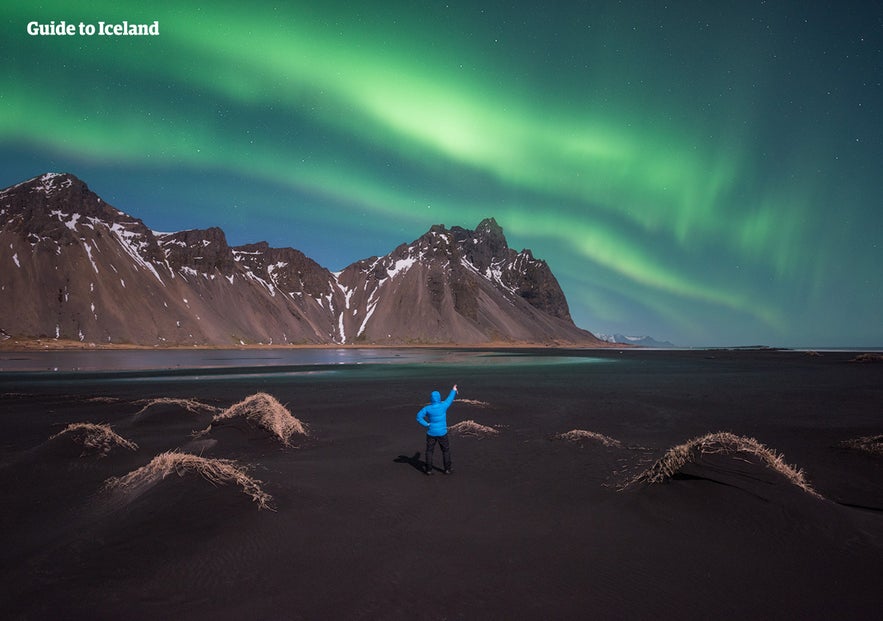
74, 267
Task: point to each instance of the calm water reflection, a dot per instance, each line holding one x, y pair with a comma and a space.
274, 360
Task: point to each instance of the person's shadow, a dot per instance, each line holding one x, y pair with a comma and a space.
415, 461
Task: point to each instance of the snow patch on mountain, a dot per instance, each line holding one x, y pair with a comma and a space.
91, 260
135, 245
639, 341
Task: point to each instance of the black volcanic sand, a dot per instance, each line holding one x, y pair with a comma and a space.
528, 526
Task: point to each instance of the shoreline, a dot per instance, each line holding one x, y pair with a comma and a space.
13, 345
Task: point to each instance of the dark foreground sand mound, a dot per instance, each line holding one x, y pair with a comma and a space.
471, 428
723, 456
260, 412
218, 472
90, 439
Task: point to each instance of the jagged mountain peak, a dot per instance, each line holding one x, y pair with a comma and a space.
204, 237
202, 250
437, 240
486, 242
48, 183
286, 268
57, 205
491, 233
56, 210
59, 191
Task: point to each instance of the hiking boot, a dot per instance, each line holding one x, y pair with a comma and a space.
428, 471
448, 471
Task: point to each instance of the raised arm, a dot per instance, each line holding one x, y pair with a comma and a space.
451, 395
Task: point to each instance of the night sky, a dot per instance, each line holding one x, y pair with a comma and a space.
707, 173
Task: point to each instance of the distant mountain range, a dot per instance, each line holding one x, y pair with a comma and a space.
74, 267
640, 341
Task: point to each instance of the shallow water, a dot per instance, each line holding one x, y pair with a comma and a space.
17, 369
131, 360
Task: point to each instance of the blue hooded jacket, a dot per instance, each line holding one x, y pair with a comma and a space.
436, 412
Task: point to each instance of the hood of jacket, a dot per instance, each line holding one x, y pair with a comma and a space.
435, 396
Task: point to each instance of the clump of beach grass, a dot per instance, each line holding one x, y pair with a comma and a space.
868, 357
868, 444
580, 435
720, 443
96, 439
191, 405
471, 428
215, 471
264, 411
475, 402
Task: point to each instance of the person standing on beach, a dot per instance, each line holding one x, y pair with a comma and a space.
435, 418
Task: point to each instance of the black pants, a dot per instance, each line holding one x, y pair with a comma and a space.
445, 447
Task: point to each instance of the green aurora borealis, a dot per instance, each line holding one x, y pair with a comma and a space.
706, 173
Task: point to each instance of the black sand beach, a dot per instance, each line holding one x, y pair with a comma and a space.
530, 525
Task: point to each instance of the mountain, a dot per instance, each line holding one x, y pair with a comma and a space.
640, 341
74, 267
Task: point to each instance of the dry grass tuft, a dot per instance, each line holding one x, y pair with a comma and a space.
579, 435
723, 442
96, 439
471, 428
265, 411
475, 402
868, 444
868, 357
215, 471
191, 405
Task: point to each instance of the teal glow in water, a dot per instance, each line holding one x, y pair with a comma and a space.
64, 367
153, 360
